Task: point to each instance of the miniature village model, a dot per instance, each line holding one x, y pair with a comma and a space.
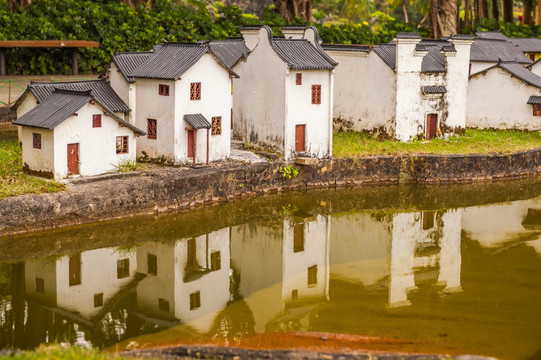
185, 102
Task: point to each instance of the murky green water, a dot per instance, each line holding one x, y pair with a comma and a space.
7, 132
452, 269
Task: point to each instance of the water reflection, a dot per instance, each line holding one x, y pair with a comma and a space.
358, 272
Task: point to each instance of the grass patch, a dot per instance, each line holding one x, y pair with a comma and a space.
352, 144
61, 352
128, 166
13, 181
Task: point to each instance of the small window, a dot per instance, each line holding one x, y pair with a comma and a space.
216, 125
98, 300
295, 294
163, 90
36, 141
40, 285
316, 94
121, 144
469, 70
96, 120
195, 300
298, 78
428, 219
298, 238
536, 110
152, 262
152, 129
163, 305
75, 270
215, 261
122, 268
312, 276
195, 91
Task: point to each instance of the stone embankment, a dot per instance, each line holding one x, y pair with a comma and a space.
160, 189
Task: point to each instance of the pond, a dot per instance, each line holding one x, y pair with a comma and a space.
454, 269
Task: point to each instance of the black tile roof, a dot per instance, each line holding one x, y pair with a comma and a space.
387, 53
491, 35
434, 89
229, 51
346, 47
300, 54
534, 100
532, 45
101, 89
407, 36
522, 73
433, 61
59, 106
462, 37
197, 121
488, 50
126, 62
441, 45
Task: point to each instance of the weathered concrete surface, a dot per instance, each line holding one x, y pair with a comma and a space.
232, 353
161, 189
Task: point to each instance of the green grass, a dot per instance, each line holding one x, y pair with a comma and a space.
352, 144
13, 181
60, 352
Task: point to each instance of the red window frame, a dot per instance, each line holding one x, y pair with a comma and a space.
96, 120
122, 145
316, 94
163, 90
195, 91
298, 78
216, 125
152, 129
536, 110
36, 140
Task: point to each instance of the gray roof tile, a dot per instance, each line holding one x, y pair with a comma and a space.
126, 62
487, 50
197, 121
534, 100
527, 44
346, 47
491, 35
300, 54
433, 61
522, 73
101, 89
60, 105
405, 35
462, 37
229, 51
434, 89
387, 53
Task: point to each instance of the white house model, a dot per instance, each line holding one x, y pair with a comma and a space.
504, 96
405, 89
184, 101
73, 132
283, 98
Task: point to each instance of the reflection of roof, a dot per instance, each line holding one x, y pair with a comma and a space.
59, 106
532, 219
197, 121
346, 47
434, 89
126, 62
101, 89
488, 50
229, 51
527, 44
300, 54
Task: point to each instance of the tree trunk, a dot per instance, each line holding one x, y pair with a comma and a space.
507, 9
468, 13
484, 9
13, 4
495, 11
538, 12
406, 20
443, 18
527, 12
476, 12
133, 3
289, 9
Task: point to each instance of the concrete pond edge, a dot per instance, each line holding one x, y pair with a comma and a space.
161, 189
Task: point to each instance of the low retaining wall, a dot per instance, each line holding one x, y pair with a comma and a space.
164, 189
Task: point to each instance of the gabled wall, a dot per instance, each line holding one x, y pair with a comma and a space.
119, 84
457, 85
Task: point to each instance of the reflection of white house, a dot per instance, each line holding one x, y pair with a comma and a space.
284, 95
396, 251
80, 284
187, 280
294, 275
184, 101
504, 96
75, 133
408, 88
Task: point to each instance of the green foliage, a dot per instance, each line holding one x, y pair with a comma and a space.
508, 29
288, 172
127, 166
62, 352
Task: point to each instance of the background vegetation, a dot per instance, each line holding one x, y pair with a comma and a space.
132, 25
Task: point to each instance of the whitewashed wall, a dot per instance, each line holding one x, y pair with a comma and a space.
28, 104
364, 92
498, 100
259, 95
301, 111
457, 84
216, 100
118, 83
536, 68
97, 146
477, 66
39, 159
159, 107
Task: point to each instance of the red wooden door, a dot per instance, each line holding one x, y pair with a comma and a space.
300, 137
191, 143
73, 159
431, 125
